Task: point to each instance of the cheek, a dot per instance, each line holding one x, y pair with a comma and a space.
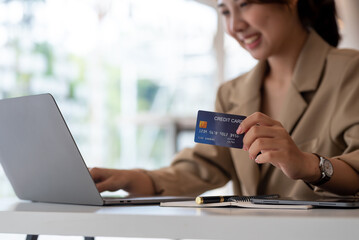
270, 29
228, 31
227, 28
263, 22
234, 36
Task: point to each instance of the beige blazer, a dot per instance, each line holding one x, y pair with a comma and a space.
321, 113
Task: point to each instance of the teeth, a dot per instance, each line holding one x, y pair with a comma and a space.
251, 39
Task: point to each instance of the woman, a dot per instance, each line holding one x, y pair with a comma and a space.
299, 101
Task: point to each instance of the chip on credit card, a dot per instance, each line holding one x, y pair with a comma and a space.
218, 129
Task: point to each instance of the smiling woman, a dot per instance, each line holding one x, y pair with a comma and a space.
302, 88
277, 29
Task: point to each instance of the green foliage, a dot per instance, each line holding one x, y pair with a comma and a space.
113, 106
80, 65
146, 91
157, 150
45, 49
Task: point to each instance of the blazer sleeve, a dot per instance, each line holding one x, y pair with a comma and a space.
345, 122
195, 170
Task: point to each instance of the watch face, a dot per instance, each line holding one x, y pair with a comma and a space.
328, 167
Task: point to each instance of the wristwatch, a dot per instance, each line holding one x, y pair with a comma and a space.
326, 170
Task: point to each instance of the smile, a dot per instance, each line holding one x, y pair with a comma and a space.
251, 40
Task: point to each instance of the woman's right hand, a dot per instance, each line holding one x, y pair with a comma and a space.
136, 182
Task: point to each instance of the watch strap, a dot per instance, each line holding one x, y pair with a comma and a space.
324, 177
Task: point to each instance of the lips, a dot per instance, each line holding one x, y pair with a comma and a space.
251, 39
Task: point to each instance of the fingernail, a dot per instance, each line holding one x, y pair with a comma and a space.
239, 130
245, 148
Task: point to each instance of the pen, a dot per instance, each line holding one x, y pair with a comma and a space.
213, 199
220, 199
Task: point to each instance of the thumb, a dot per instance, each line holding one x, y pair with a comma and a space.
108, 185
103, 186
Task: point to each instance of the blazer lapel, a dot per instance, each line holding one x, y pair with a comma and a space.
246, 102
247, 99
306, 78
294, 107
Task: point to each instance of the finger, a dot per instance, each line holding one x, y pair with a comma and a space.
95, 173
262, 145
102, 186
268, 157
256, 132
255, 119
99, 174
108, 185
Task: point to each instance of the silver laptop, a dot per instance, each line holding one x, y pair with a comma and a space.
41, 159
329, 202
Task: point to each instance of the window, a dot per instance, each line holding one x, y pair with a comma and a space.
124, 73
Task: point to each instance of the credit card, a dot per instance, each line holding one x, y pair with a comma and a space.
218, 129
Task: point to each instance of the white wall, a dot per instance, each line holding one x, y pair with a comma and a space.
348, 12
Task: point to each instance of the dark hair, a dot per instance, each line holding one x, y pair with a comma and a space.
318, 14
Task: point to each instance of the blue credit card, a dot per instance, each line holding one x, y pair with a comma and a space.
218, 129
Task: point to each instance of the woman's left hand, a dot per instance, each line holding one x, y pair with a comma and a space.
267, 136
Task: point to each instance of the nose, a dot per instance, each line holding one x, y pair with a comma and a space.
237, 23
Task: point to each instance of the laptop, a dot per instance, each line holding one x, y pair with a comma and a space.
42, 161
329, 202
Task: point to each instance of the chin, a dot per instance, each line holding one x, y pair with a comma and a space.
260, 53
256, 53
258, 57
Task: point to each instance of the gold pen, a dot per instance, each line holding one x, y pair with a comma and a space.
213, 199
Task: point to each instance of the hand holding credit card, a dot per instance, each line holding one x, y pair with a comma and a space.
218, 129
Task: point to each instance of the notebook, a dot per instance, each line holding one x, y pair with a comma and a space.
41, 159
240, 202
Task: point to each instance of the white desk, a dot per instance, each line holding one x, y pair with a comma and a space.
177, 223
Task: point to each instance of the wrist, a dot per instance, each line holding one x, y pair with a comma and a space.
313, 173
146, 182
326, 170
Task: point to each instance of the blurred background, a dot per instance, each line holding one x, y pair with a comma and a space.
129, 76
